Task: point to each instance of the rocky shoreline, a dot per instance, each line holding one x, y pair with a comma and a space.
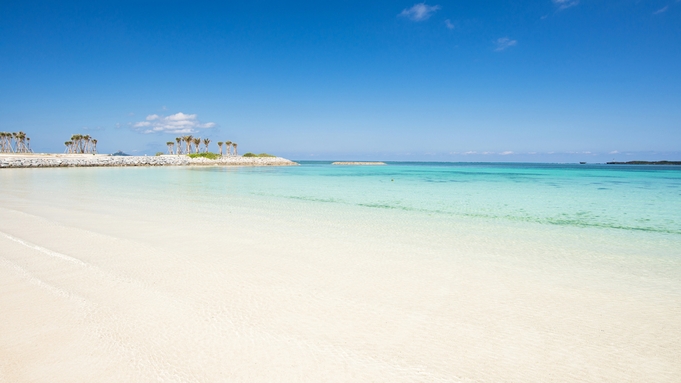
85, 160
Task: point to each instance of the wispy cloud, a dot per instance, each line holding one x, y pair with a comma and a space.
449, 24
504, 43
614, 152
506, 153
419, 12
564, 4
661, 10
175, 123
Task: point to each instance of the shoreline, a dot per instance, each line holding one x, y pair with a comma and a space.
103, 160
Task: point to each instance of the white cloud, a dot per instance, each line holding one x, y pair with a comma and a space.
419, 12
614, 152
449, 24
506, 153
178, 123
503, 43
661, 10
564, 4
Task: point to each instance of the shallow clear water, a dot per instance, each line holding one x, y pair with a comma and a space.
634, 198
642, 198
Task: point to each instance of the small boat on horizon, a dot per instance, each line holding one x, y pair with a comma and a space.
582, 163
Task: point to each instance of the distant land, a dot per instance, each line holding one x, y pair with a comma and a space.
358, 163
645, 163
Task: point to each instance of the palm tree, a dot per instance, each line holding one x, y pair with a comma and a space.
236, 153
197, 142
179, 147
22, 143
220, 145
86, 144
7, 142
68, 146
94, 146
17, 142
188, 139
206, 141
228, 148
76, 139
170, 145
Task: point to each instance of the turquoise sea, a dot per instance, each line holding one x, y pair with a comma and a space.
613, 197
639, 198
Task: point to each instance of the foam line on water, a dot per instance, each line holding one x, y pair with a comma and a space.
44, 250
32, 279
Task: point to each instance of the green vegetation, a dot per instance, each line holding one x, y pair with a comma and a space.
209, 155
249, 154
159, 154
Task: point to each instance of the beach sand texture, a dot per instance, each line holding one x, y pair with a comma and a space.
106, 278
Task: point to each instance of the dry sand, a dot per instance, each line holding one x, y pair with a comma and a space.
93, 290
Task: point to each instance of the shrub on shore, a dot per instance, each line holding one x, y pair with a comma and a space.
209, 155
249, 154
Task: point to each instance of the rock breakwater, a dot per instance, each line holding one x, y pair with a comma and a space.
74, 160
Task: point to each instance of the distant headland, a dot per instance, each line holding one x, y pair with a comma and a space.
645, 163
358, 163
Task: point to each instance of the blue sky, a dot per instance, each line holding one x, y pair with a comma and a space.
548, 80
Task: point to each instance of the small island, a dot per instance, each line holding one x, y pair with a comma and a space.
81, 151
358, 163
645, 163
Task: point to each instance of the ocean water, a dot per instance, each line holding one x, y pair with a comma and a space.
611, 197
637, 198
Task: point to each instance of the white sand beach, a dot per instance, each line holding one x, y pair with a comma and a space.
100, 285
